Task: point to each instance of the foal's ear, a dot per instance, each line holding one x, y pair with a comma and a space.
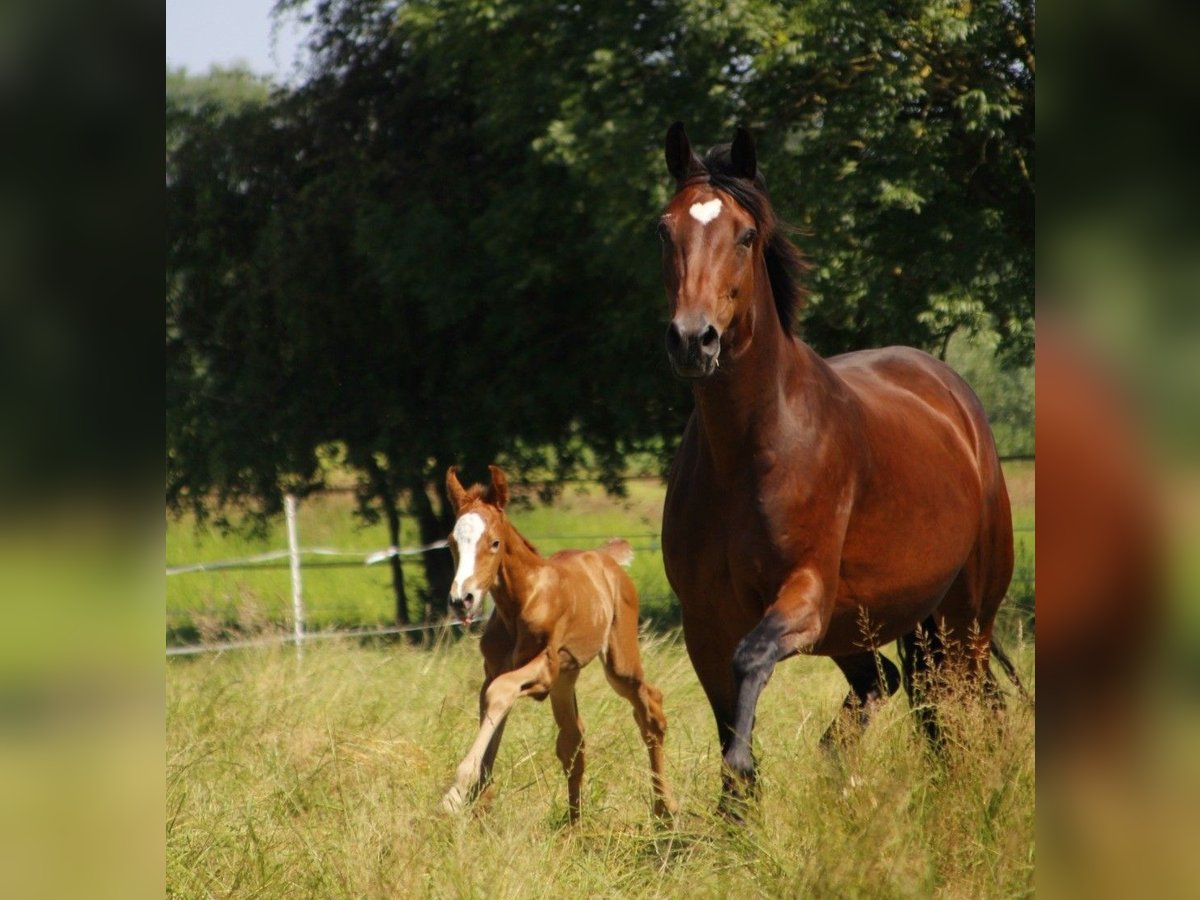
743, 156
497, 492
682, 163
454, 489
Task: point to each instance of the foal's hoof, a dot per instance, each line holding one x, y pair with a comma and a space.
453, 802
665, 809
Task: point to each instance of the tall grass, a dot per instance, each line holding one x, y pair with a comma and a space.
322, 775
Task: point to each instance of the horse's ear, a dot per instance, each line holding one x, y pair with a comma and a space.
682, 163
497, 492
743, 156
454, 489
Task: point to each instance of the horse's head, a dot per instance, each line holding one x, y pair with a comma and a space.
721, 247
477, 542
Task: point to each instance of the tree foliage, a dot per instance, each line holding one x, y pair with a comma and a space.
907, 151
439, 247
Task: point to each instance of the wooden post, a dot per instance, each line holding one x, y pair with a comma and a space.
289, 507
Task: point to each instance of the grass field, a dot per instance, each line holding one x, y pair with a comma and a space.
321, 775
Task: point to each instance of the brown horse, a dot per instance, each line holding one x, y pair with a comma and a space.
810, 497
553, 616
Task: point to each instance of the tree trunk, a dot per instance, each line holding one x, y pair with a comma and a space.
393, 522
434, 523
383, 489
945, 348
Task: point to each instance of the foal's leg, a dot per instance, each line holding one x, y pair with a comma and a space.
872, 679
570, 737
535, 677
496, 645
623, 668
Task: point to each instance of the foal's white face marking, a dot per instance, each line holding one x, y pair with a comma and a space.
706, 212
467, 532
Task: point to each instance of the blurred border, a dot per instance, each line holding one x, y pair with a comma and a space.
81, 471
1118, 447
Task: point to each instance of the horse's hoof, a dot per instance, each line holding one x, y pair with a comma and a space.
737, 800
732, 810
453, 802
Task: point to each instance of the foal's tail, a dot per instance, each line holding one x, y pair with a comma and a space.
620, 551
1010, 670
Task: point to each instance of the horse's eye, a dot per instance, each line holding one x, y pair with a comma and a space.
495, 545
664, 233
747, 237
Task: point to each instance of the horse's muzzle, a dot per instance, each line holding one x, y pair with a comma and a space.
693, 348
464, 607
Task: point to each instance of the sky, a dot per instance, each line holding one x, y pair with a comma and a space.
201, 33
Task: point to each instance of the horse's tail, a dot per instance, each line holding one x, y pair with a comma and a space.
1010, 670
620, 551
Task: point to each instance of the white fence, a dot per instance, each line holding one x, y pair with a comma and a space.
295, 555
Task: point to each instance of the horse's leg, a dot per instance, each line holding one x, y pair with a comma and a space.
623, 668
535, 677
950, 652
711, 654
753, 662
921, 658
570, 737
791, 624
965, 625
496, 645
873, 678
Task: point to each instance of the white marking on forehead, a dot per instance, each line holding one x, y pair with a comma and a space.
706, 212
467, 532
469, 528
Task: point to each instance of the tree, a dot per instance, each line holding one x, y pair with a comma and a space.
905, 133
440, 249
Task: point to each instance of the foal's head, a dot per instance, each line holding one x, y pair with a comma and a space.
722, 245
477, 541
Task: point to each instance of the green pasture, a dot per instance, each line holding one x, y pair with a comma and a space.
320, 776
230, 603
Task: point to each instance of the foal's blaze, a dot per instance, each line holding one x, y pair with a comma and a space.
809, 496
553, 616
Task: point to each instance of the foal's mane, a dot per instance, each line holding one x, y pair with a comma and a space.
785, 262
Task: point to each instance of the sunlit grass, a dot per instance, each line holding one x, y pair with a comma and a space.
321, 776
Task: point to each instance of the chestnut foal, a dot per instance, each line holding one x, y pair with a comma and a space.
553, 616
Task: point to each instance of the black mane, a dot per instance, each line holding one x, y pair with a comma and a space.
785, 262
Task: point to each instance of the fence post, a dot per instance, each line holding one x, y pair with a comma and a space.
289, 508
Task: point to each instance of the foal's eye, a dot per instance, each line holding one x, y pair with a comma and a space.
747, 237
495, 545
664, 233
